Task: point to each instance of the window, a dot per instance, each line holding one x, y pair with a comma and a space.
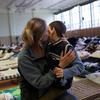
96, 13
75, 18
85, 16
58, 17
66, 19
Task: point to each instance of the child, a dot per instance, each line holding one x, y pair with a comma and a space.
54, 48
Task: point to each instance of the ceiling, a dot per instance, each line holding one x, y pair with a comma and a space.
53, 5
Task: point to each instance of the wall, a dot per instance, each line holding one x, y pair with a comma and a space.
44, 14
12, 24
4, 29
18, 22
90, 32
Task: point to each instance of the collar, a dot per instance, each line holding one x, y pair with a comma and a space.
56, 42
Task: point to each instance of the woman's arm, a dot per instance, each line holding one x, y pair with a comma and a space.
31, 72
66, 58
76, 69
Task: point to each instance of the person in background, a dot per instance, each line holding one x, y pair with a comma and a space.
57, 44
36, 74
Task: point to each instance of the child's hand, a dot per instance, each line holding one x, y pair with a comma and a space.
66, 59
59, 72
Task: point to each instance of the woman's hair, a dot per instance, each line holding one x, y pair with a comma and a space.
59, 27
33, 31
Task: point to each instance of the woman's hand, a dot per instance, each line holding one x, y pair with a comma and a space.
66, 59
59, 72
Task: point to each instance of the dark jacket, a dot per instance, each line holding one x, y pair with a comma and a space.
53, 51
36, 78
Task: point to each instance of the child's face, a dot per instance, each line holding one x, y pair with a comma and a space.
50, 33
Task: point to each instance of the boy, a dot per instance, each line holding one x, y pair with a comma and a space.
54, 48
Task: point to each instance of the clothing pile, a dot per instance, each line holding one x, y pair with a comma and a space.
7, 96
89, 44
92, 67
88, 48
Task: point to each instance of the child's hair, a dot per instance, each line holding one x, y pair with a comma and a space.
59, 26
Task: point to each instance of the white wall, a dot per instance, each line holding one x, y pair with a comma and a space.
44, 14
17, 21
4, 29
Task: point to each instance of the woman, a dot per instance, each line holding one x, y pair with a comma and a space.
37, 77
